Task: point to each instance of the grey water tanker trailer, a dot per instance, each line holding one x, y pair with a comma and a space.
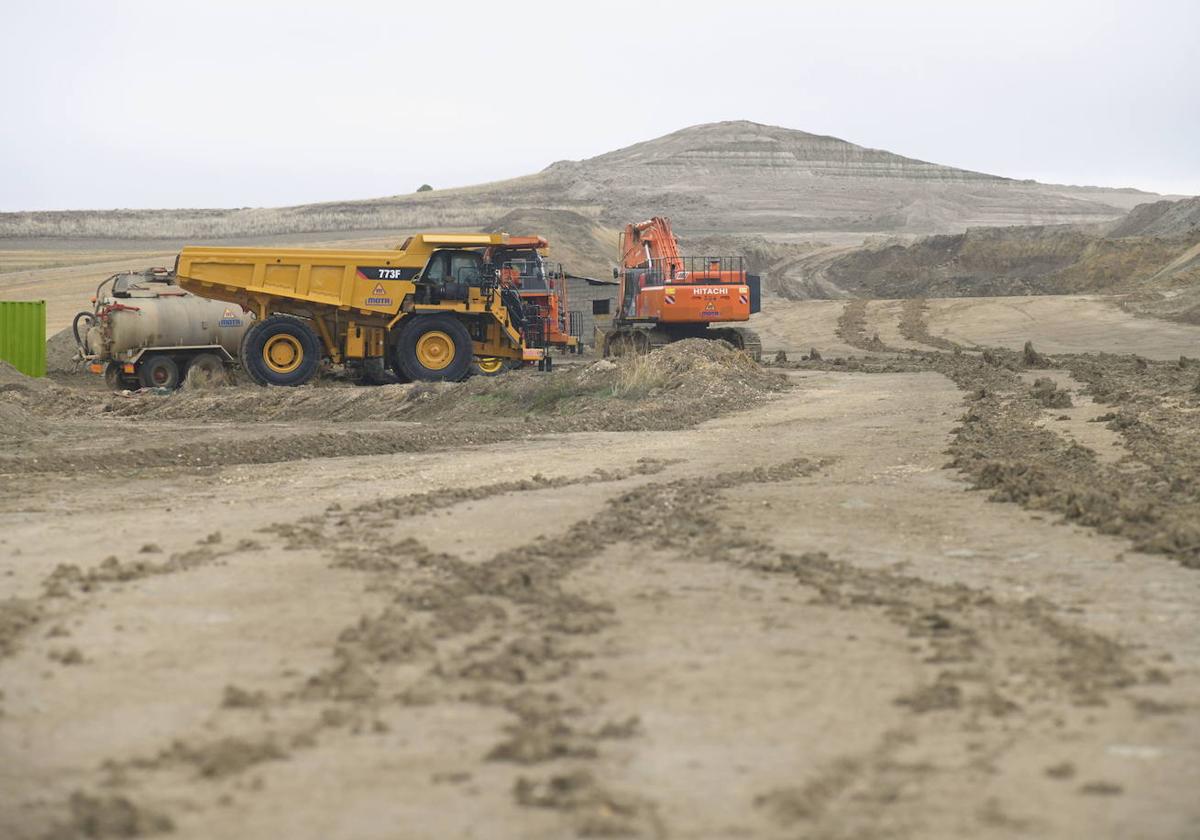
146, 332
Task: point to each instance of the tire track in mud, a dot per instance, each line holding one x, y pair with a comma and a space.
852, 328
69, 582
1150, 494
346, 693
65, 592
915, 327
505, 633
999, 673
502, 634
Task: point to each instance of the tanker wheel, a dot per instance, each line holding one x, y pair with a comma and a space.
205, 371
434, 348
490, 366
158, 372
114, 378
281, 350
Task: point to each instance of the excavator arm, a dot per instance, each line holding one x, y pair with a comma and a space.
651, 244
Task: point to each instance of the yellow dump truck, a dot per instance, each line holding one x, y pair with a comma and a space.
431, 310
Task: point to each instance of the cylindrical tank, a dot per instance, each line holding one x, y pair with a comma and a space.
168, 320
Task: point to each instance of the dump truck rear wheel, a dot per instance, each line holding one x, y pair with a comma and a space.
434, 348
158, 372
281, 350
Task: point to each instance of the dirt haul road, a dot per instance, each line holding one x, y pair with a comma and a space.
789, 620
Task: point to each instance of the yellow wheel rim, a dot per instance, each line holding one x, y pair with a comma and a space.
435, 350
283, 353
490, 364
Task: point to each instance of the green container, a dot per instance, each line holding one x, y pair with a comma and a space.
23, 335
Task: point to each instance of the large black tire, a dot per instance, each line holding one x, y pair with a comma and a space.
114, 378
433, 348
281, 350
158, 372
206, 371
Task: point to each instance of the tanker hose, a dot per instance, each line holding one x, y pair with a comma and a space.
81, 341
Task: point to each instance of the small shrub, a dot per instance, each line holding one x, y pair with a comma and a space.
638, 377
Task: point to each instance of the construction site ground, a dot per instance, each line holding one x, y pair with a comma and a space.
618, 600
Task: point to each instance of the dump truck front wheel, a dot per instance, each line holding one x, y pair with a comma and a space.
281, 350
434, 348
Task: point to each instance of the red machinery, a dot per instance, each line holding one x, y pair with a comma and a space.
542, 285
665, 296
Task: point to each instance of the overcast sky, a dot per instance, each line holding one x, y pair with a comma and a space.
229, 104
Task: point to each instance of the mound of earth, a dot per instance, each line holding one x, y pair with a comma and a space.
1057, 259
11, 377
671, 389
16, 391
60, 352
578, 242
694, 377
1160, 218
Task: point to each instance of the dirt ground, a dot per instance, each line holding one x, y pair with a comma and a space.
695, 598
1062, 324
1054, 323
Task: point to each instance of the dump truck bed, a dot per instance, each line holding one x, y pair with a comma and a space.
369, 281
363, 280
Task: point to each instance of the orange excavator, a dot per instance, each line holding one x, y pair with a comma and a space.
664, 296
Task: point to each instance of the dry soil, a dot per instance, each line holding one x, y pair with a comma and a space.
685, 598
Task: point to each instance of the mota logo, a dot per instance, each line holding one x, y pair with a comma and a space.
379, 296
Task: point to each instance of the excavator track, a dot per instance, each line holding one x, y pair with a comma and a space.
748, 341
626, 340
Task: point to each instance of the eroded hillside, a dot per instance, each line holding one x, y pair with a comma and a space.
739, 177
